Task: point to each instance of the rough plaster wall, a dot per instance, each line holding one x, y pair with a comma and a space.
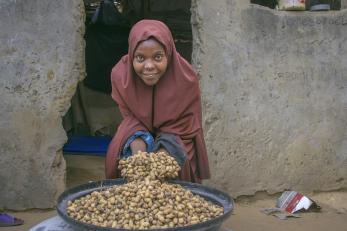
41, 61
274, 87
343, 4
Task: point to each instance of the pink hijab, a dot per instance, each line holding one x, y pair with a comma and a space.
172, 106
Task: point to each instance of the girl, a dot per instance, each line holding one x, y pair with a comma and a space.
158, 95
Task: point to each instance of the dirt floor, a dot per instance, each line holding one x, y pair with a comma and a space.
247, 215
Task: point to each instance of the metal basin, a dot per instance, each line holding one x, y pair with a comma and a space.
213, 195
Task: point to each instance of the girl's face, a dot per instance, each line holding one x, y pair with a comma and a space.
150, 61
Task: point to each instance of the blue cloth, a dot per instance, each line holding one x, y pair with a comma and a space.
87, 145
145, 136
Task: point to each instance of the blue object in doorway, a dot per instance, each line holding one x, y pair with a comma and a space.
87, 145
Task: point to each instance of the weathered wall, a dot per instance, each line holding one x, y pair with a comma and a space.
41, 61
274, 88
343, 4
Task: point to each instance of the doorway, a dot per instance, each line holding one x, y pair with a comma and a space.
93, 117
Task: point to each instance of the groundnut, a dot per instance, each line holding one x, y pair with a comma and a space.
146, 201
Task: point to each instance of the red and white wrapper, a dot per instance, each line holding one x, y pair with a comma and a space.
292, 202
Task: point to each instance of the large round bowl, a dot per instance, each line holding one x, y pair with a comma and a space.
216, 196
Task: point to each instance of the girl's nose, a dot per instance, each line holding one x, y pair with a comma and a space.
149, 65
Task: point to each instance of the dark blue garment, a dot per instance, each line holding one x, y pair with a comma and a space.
145, 136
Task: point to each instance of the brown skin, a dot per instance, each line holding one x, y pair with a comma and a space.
150, 61
150, 64
139, 145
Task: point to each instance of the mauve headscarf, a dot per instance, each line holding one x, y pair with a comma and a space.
173, 105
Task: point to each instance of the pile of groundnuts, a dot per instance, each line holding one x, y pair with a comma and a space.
147, 201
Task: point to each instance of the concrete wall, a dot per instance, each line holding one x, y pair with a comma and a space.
274, 88
41, 61
343, 4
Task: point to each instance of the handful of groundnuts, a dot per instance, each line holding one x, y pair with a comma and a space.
146, 201
153, 165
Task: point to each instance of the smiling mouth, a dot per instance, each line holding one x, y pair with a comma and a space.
149, 76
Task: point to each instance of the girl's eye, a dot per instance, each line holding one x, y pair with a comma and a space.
139, 58
158, 57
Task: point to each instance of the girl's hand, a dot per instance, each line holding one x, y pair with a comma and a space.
138, 145
163, 150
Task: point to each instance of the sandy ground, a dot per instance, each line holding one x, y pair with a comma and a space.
246, 215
